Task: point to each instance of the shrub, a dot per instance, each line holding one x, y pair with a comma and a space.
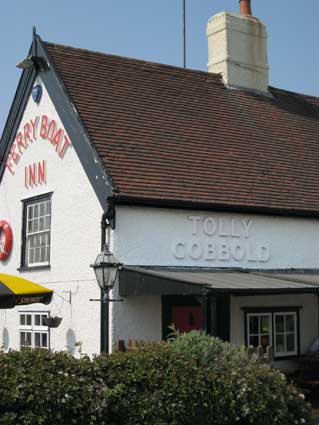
41, 387
193, 380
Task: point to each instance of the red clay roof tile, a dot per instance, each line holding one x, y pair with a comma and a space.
174, 134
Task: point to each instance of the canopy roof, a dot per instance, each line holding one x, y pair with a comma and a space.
184, 281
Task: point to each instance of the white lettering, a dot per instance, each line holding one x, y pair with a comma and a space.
211, 253
195, 219
224, 253
209, 226
233, 229
238, 252
248, 224
179, 250
222, 231
264, 253
196, 251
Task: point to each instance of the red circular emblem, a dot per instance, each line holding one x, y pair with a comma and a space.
6, 240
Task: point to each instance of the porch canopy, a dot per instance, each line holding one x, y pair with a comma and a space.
136, 281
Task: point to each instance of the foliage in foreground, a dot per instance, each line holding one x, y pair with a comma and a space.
192, 380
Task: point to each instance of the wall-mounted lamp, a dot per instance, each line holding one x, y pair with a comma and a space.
106, 268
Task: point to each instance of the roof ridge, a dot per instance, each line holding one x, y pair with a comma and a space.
138, 61
309, 96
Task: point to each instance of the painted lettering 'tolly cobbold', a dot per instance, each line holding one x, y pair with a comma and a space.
40, 127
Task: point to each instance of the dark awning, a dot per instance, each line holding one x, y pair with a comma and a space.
136, 281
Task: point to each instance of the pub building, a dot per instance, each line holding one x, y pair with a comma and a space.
203, 184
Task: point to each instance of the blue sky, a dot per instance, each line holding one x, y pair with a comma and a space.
152, 30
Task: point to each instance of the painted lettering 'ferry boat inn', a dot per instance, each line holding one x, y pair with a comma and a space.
206, 184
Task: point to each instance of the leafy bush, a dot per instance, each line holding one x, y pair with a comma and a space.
193, 380
41, 387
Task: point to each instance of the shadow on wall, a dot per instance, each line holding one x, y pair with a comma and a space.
71, 341
5, 340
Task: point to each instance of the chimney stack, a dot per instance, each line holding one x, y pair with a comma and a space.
245, 7
237, 49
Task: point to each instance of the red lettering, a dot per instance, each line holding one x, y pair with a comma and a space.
57, 139
51, 130
34, 127
15, 156
27, 130
66, 144
9, 166
44, 128
41, 172
32, 175
20, 141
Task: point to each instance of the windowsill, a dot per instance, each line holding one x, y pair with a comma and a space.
33, 268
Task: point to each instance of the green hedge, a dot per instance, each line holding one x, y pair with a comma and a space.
193, 380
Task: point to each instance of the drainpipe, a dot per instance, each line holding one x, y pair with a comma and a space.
104, 313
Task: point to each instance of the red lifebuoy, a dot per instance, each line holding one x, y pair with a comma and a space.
7, 244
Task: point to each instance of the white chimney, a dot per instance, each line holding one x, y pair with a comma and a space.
237, 48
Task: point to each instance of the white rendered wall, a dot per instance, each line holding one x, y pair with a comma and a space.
308, 315
167, 237
75, 238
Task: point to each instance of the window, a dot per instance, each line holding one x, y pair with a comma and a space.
259, 329
285, 333
276, 328
33, 333
37, 232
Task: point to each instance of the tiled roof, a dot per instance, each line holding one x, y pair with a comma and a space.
173, 134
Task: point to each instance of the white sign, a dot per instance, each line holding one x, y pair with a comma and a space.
221, 239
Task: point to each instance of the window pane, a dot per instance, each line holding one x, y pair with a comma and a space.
30, 211
45, 340
280, 323
37, 339
29, 319
35, 226
22, 319
31, 256
265, 340
47, 222
25, 339
253, 325
290, 342
290, 323
280, 343
37, 320
264, 324
42, 209
254, 340
43, 256
48, 207
37, 255
41, 225
42, 317
36, 210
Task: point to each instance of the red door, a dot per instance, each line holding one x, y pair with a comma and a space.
186, 318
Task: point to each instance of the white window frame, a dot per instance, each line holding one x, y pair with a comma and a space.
30, 235
273, 313
260, 334
286, 353
34, 329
